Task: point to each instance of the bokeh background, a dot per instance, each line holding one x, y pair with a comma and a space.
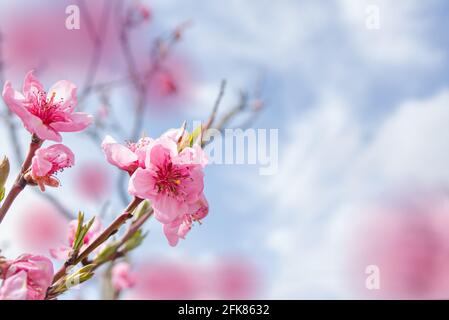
363, 120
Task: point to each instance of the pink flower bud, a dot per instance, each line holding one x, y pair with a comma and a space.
47, 162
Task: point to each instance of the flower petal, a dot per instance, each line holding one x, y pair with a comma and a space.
171, 233
63, 92
194, 186
14, 100
77, 121
15, 287
61, 253
31, 86
167, 208
42, 131
117, 154
141, 184
40, 166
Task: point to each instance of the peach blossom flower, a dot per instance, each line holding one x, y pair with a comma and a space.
126, 157
170, 182
46, 114
47, 162
27, 278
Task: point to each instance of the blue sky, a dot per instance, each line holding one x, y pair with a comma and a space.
361, 114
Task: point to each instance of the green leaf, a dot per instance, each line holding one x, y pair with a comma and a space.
197, 135
80, 225
106, 253
141, 209
4, 170
81, 231
135, 241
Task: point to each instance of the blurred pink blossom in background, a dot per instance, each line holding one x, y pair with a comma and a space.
220, 279
171, 85
408, 241
40, 226
36, 40
121, 276
92, 180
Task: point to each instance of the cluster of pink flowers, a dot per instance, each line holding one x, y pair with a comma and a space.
45, 115
172, 179
26, 278
167, 171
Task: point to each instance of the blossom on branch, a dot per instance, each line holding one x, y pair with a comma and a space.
46, 114
47, 162
126, 157
168, 181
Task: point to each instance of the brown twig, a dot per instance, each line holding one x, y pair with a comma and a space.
97, 43
216, 105
20, 182
105, 235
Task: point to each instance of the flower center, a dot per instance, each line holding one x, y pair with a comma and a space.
48, 111
169, 178
59, 163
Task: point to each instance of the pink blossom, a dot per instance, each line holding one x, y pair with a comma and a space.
126, 157
27, 278
182, 225
189, 155
62, 252
168, 180
46, 115
122, 277
48, 161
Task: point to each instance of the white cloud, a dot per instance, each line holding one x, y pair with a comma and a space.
400, 39
329, 168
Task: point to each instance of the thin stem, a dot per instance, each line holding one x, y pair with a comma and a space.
20, 182
216, 105
105, 235
12, 195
